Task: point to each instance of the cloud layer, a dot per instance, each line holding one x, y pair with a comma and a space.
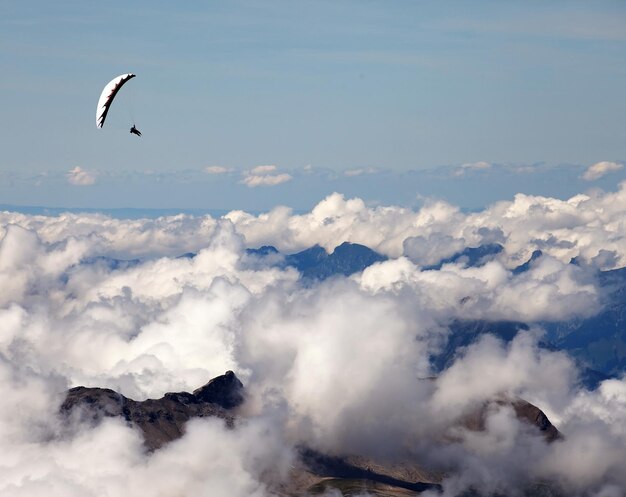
341, 365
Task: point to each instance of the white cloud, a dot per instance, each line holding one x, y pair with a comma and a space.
472, 166
253, 180
80, 177
218, 170
581, 226
520, 368
261, 176
600, 169
263, 169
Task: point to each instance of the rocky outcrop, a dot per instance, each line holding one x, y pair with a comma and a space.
160, 420
225, 391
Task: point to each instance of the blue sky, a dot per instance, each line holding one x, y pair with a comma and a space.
390, 89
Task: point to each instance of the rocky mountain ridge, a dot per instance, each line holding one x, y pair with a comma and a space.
159, 420
163, 420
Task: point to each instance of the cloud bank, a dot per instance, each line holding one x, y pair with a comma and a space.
341, 365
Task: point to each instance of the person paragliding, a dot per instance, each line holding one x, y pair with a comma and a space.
106, 99
135, 131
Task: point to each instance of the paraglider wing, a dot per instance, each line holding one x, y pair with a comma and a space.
107, 96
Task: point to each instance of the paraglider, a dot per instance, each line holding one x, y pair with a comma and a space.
135, 131
106, 99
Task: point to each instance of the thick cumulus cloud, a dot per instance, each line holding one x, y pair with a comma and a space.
125, 239
584, 226
344, 365
549, 291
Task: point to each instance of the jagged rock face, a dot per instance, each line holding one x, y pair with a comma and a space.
160, 420
225, 390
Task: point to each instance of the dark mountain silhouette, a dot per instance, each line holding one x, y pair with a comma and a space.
315, 264
348, 258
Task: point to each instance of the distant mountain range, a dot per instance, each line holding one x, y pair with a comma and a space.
316, 264
598, 343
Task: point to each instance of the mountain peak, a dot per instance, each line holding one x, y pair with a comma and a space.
348, 258
225, 390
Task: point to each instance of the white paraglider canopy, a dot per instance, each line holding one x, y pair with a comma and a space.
107, 96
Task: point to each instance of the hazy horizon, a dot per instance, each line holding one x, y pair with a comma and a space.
359, 98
